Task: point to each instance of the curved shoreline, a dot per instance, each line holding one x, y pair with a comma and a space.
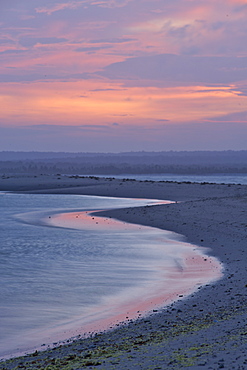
173, 269
207, 329
195, 269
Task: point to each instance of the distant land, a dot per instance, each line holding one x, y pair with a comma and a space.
172, 162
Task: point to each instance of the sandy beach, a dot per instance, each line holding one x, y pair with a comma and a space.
207, 329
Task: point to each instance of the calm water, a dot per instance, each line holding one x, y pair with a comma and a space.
59, 276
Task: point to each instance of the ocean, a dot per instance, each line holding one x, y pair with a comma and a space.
66, 273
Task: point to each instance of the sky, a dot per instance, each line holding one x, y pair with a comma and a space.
123, 75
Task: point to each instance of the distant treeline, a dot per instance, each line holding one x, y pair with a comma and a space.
201, 162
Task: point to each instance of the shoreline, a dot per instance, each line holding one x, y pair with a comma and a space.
181, 276
207, 328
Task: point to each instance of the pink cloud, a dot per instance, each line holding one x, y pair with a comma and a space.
162, 67
77, 4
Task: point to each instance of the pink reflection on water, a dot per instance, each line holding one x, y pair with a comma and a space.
85, 220
172, 283
185, 270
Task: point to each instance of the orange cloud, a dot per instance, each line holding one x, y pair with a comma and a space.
94, 102
65, 63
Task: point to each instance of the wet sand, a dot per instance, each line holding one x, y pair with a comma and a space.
208, 329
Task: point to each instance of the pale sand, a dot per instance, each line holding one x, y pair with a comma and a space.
208, 329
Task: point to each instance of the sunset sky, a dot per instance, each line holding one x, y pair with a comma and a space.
123, 75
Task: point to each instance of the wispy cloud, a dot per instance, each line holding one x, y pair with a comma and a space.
60, 6
4, 41
31, 41
77, 4
112, 40
236, 117
13, 51
69, 130
109, 3
92, 48
33, 77
173, 70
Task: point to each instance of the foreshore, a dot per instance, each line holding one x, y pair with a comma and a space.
208, 329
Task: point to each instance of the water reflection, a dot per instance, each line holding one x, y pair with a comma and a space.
66, 273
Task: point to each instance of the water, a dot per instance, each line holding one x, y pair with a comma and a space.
211, 178
64, 272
